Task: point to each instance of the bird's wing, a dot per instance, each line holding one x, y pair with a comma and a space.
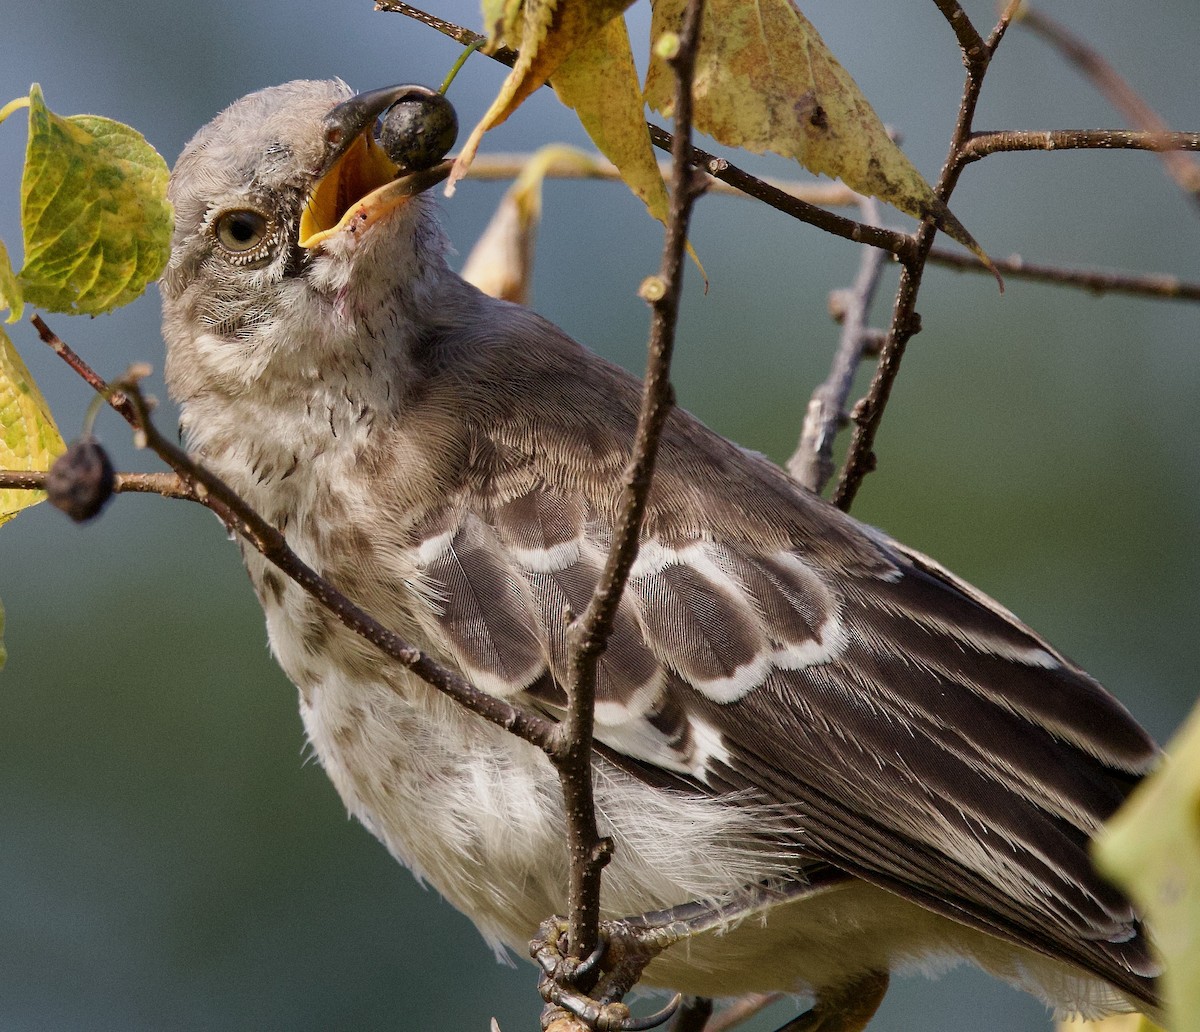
923, 738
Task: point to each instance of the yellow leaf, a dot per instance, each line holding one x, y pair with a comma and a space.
501, 20
11, 295
94, 211
599, 81
28, 437
546, 33
1152, 849
501, 262
765, 81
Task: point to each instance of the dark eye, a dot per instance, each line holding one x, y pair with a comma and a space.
241, 231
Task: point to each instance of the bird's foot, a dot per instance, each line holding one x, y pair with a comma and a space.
590, 990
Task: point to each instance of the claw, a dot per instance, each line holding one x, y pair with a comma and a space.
590, 962
653, 1020
628, 950
615, 1017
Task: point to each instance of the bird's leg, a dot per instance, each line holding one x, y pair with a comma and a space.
592, 989
843, 1008
693, 1014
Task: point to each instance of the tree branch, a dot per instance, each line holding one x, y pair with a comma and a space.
868, 412
1184, 170
970, 42
588, 635
833, 195
168, 485
899, 244
196, 483
812, 464
1097, 281
980, 145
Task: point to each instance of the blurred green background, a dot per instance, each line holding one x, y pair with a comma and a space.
169, 859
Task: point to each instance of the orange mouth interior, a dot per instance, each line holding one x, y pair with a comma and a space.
354, 186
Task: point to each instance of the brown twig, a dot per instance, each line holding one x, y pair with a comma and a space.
93, 379
868, 412
1097, 281
509, 166
899, 244
812, 464
970, 42
203, 486
980, 145
1183, 169
458, 33
168, 485
834, 195
588, 634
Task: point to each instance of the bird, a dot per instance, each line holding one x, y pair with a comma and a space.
852, 760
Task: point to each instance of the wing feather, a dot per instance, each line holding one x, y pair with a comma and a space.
917, 735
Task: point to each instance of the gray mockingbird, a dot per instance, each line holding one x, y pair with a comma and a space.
843, 755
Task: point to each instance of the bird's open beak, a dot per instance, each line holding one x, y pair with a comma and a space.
358, 183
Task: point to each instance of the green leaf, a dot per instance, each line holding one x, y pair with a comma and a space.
28, 437
94, 210
1152, 849
11, 295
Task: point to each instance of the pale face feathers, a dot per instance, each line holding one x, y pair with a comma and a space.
787, 695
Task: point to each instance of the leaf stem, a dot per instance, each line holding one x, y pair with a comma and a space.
13, 105
457, 66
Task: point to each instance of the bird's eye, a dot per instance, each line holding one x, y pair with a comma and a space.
242, 231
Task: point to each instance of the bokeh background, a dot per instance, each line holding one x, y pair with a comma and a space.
168, 857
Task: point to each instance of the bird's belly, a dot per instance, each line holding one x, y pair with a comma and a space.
477, 814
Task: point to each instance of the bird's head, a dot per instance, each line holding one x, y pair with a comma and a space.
292, 228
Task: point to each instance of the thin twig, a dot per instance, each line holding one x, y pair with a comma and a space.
899, 244
168, 485
980, 145
812, 464
509, 166
209, 490
868, 412
93, 379
23, 479
1183, 169
970, 42
1097, 281
458, 33
834, 195
588, 634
